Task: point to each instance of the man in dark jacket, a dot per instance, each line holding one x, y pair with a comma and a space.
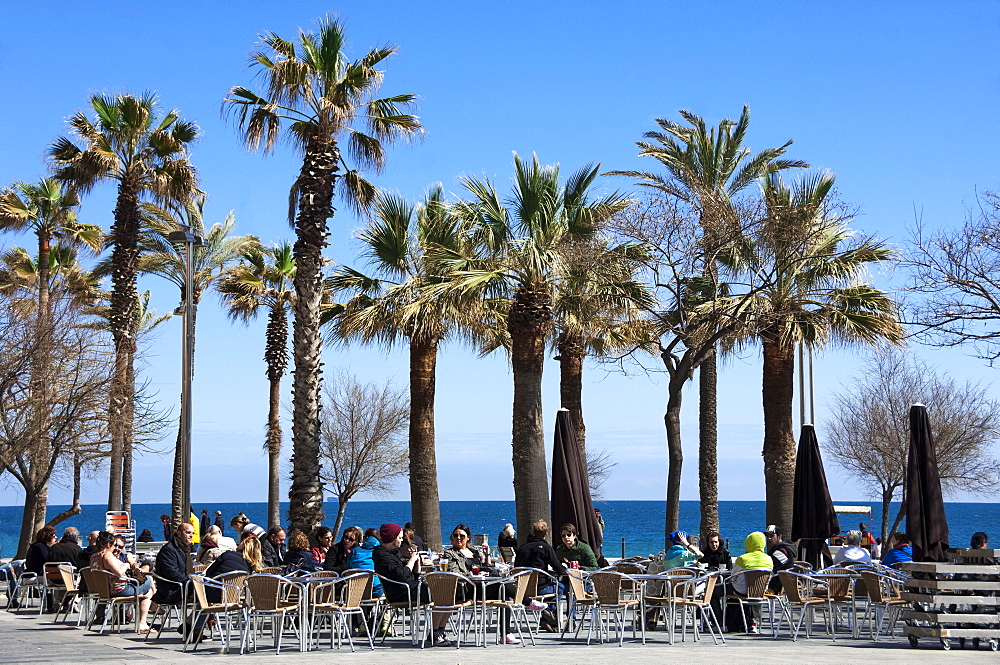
538, 553
782, 552
272, 549
68, 549
173, 562
219, 522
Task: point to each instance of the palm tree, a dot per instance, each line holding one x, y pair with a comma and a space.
707, 168
518, 260
323, 95
810, 270
146, 153
159, 256
389, 308
263, 280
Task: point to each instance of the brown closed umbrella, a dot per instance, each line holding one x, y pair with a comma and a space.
571, 501
813, 517
926, 523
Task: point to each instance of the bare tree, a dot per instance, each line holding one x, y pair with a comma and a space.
955, 274
363, 444
599, 464
868, 432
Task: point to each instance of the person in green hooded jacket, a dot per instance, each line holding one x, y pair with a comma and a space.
756, 558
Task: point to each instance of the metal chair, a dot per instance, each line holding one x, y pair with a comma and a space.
660, 595
228, 606
101, 582
612, 591
533, 594
884, 602
513, 605
71, 593
580, 598
27, 585
352, 590
757, 581
265, 597
411, 607
168, 611
798, 590
442, 591
51, 583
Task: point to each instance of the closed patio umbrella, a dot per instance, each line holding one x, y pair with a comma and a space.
926, 523
571, 501
813, 517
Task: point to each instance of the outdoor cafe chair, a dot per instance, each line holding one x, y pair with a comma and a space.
228, 607
532, 592
50, 584
515, 606
27, 585
613, 600
265, 597
580, 600
660, 595
757, 580
884, 602
442, 590
101, 582
71, 593
372, 604
409, 609
799, 593
693, 598
167, 612
338, 599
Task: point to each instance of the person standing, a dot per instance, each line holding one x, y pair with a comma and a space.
219, 522
168, 530
196, 523
205, 523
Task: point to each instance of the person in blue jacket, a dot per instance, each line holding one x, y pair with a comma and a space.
900, 552
361, 559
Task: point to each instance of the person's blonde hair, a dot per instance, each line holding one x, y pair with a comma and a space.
249, 547
540, 529
298, 541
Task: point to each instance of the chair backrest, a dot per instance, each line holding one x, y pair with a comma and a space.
629, 568
231, 594
198, 584
801, 567
68, 578
273, 570
507, 554
697, 589
263, 591
840, 586
877, 586
52, 574
577, 586
99, 582
757, 581
792, 585
532, 584
356, 587
442, 587
608, 586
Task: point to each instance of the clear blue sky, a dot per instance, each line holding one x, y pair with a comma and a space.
899, 99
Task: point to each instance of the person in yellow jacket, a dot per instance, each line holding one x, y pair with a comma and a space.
196, 523
756, 558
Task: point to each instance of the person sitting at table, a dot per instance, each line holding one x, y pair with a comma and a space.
246, 559
324, 541
106, 558
681, 552
573, 549
715, 555
852, 552
900, 552
389, 566
754, 559
462, 558
336, 556
299, 557
537, 553
361, 559
210, 550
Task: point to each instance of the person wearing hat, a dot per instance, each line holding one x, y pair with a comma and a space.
782, 552
389, 566
220, 522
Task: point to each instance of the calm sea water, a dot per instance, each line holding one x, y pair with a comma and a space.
639, 523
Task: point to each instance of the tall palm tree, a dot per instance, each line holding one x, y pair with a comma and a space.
127, 141
262, 280
706, 168
811, 271
325, 97
388, 308
518, 260
159, 256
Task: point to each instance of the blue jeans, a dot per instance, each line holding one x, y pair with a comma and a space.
9, 574
131, 590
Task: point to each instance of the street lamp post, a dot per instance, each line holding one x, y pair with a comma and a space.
190, 239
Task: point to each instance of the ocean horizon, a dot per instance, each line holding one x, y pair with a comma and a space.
632, 527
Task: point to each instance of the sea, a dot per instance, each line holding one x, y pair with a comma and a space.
631, 527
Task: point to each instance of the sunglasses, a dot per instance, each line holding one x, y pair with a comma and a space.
459, 536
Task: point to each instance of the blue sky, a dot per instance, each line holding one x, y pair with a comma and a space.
898, 98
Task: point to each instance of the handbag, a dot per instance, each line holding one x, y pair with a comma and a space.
136, 573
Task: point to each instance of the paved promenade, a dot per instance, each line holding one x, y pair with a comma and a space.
26, 639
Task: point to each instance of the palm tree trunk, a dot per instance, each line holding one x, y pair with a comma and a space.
572, 351
276, 357
424, 502
316, 182
528, 322
124, 262
129, 449
708, 444
779, 437
180, 512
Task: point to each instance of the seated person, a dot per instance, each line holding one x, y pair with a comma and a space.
361, 559
507, 537
68, 549
224, 542
389, 566
145, 537
573, 549
245, 559
337, 556
754, 559
300, 556
106, 558
242, 523
537, 553
324, 541
461, 558
980, 541
173, 563
715, 555
782, 552
209, 550
272, 547
852, 552
900, 552
681, 552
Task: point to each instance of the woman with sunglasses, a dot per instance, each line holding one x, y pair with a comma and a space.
106, 558
465, 559
337, 556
